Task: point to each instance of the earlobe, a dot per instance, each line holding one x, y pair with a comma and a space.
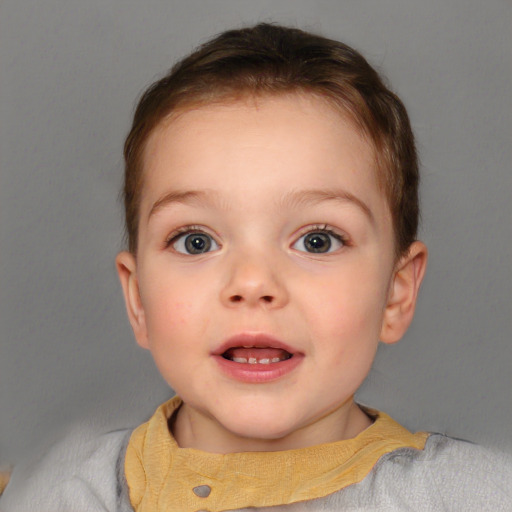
403, 293
127, 270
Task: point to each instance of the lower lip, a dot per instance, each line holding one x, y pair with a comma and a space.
258, 373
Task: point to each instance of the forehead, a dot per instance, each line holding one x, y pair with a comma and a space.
251, 110
254, 116
288, 141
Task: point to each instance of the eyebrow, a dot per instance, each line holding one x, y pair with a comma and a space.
301, 198
294, 199
183, 197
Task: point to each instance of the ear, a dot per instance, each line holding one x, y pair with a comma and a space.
403, 292
127, 270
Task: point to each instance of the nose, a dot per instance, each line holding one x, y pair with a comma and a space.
253, 281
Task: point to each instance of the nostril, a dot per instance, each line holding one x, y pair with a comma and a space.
265, 298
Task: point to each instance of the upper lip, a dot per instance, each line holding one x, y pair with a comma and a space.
259, 340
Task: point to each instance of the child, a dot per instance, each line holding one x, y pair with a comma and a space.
271, 209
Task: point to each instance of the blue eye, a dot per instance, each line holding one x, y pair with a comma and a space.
319, 242
194, 243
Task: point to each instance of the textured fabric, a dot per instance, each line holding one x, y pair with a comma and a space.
161, 476
84, 473
447, 476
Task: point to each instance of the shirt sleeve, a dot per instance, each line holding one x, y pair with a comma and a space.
469, 477
82, 473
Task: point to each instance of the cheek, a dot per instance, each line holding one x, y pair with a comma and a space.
175, 312
163, 303
348, 305
167, 297
174, 326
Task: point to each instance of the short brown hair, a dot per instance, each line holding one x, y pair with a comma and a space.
268, 59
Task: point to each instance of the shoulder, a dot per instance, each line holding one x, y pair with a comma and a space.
447, 475
450, 474
83, 472
457, 460
470, 468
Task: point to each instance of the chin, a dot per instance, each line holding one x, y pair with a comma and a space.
260, 427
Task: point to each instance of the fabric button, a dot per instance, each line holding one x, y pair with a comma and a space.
203, 491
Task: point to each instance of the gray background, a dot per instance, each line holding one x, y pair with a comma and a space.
70, 73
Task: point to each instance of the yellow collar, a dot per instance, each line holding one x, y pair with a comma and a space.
161, 476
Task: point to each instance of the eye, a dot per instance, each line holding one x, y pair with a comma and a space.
193, 243
319, 241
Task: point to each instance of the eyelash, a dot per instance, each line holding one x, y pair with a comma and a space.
183, 231
320, 228
325, 228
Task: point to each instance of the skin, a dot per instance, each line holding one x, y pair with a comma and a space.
253, 178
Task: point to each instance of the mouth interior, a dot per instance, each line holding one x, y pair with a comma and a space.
256, 355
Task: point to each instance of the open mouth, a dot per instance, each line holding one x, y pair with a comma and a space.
256, 355
256, 358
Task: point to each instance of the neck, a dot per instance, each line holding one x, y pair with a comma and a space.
193, 429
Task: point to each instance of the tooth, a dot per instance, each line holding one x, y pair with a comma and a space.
239, 359
276, 359
264, 361
247, 346
252, 360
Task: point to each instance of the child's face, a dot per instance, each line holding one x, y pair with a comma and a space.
262, 226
